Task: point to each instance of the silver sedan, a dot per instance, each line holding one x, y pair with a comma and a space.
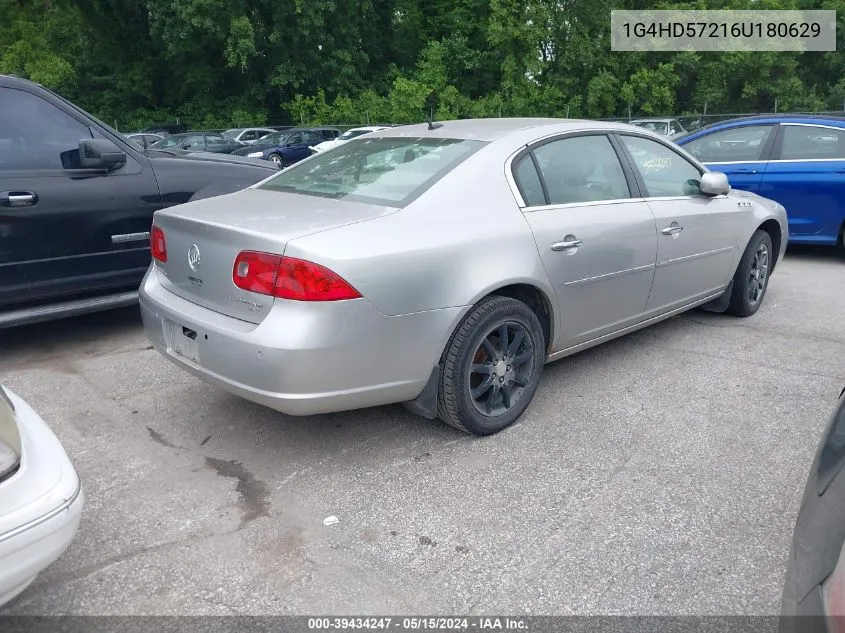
443, 265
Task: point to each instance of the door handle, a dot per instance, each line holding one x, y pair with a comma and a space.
17, 199
673, 229
569, 242
744, 171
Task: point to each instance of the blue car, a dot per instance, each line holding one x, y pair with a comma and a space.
797, 160
283, 148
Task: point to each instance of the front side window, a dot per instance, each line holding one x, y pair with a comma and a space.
35, 134
251, 135
294, 139
581, 169
663, 170
737, 144
215, 139
806, 142
388, 171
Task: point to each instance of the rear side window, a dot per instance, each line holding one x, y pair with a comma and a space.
528, 182
733, 145
581, 169
388, 171
803, 142
35, 134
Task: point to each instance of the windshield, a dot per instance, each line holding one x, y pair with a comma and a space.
389, 171
661, 127
271, 140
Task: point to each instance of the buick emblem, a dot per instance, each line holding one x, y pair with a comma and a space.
194, 257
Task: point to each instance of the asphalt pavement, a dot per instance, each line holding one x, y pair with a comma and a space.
656, 474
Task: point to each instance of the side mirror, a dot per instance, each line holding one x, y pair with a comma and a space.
100, 153
714, 183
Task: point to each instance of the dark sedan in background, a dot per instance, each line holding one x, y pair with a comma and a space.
795, 159
283, 148
815, 577
200, 142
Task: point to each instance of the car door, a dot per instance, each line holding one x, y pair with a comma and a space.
740, 152
807, 176
65, 230
596, 239
696, 233
295, 148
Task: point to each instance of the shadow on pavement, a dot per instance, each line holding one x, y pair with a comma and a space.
57, 337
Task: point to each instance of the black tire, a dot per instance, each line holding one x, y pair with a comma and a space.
752, 275
467, 349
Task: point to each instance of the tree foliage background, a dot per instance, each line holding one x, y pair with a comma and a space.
216, 63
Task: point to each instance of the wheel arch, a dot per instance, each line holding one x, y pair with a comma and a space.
773, 228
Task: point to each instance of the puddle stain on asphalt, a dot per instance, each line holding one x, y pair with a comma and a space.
254, 498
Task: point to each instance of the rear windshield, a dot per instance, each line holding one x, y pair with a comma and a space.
388, 171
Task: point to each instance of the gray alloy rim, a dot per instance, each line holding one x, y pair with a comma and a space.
501, 369
759, 273
275, 159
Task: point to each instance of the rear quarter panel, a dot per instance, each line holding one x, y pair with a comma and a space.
462, 239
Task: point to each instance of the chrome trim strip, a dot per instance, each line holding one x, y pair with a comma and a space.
67, 309
53, 513
735, 162
824, 125
618, 273
686, 258
776, 160
631, 328
575, 205
130, 237
807, 160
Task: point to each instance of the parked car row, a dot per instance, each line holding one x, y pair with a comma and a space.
568, 234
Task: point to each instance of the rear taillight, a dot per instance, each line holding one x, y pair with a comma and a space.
289, 278
158, 245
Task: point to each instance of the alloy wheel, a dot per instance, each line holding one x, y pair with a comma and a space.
501, 369
758, 274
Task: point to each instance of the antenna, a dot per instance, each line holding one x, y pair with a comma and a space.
431, 104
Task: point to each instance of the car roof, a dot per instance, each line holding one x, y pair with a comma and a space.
654, 119
837, 121
494, 129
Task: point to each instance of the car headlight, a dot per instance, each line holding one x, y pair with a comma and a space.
255, 155
10, 439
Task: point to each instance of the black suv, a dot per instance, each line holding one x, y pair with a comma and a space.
77, 200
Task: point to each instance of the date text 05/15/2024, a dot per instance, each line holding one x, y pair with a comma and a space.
418, 623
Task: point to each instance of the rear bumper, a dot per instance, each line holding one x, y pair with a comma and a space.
305, 357
39, 515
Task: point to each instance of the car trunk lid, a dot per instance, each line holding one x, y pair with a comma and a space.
204, 237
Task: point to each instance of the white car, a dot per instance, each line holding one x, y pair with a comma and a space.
670, 128
345, 137
40, 496
247, 135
